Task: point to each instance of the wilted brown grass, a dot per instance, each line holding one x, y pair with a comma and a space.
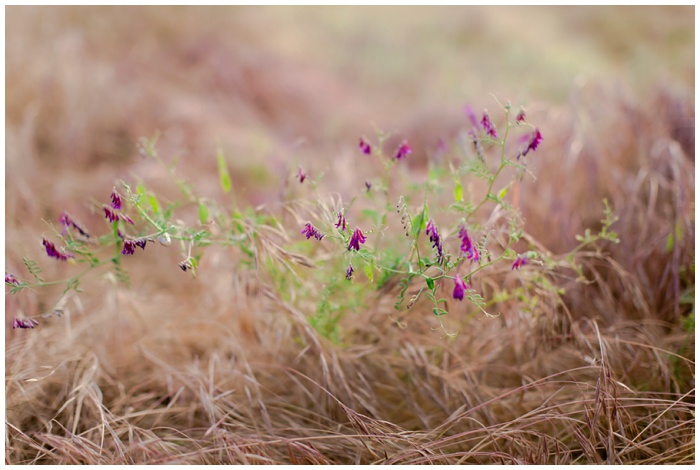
222, 370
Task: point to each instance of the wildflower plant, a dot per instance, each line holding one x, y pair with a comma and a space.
448, 238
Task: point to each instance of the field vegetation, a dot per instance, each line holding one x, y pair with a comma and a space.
237, 333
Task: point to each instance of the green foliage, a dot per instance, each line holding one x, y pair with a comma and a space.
203, 213
34, 269
120, 272
458, 193
281, 256
590, 238
224, 177
477, 167
419, 222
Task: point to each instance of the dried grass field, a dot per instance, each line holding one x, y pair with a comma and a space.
280, 360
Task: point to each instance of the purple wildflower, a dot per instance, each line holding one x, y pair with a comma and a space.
185, 265
460, 287
467, 246
308, 230
469, 111
519, 262
129, 247
488, 126
301, 175
141, 243
11, 279
520, 118
368, 185
432, 232
53, 252
357, 238
24, 323
311, 231
342, 223
349, 271
111, 216
403, 151
126, 218
67, 222
364, 147
534, 142
116, 200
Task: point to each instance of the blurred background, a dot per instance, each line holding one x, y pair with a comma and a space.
276, 86
611, 88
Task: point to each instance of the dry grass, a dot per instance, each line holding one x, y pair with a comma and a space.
223, 370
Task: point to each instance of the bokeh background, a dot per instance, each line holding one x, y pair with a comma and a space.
611, 88
275, 86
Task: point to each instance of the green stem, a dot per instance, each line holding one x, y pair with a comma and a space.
498, 172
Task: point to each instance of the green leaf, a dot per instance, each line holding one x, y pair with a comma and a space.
33, 268
155, 205
438, 311
224, 176
431, 282
502, 193
369, 272
459, 195
418, 223
203, 213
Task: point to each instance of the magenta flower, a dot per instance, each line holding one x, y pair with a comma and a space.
364, 147
11, 279
349, 271
488, 126
467, 246
126, 218
403, 151
65, 221
519, 262
24, 323
520, 118
356, 239
53, 252
130, 244
460, 287
533, 143
341, 224
432, 232
116, 200
129, 247
301, 175
311, 231
111, 216
68, 222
